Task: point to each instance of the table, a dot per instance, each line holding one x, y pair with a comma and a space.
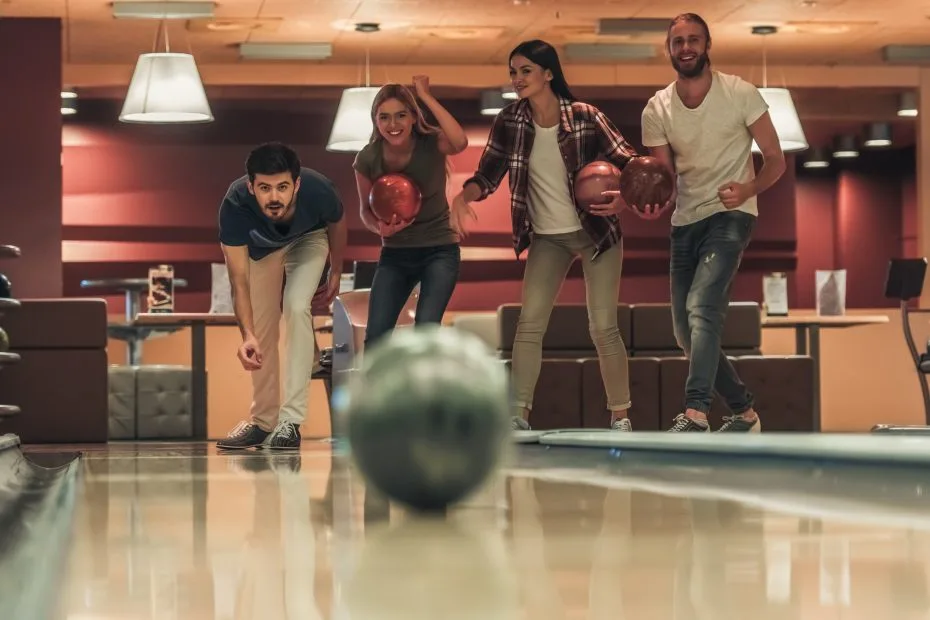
198, 322
807, 332
135, 290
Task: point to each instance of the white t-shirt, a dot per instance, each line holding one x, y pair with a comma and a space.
711, 144
552, 210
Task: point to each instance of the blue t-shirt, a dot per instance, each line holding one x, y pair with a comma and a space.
243, 223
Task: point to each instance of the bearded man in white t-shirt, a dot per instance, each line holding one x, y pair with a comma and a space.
702, 127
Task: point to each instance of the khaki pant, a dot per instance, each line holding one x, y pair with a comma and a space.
550, 257
302, 264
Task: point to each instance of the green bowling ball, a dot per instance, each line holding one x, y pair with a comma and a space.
4, 341
427, 416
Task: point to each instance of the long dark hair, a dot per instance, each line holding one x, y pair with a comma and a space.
543, 54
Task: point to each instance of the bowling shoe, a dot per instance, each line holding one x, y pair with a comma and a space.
684, 424
623, 425
285, 436
244, 435
519, 424
739, 424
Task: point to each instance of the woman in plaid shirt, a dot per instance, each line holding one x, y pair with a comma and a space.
543, 140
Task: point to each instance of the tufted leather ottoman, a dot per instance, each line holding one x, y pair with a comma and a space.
557, 402
784, 390
121, 402
163, 402
644, 393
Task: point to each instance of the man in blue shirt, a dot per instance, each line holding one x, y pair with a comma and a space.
278, 226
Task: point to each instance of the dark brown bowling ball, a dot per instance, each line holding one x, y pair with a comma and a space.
395, 194
594, 179
646, 181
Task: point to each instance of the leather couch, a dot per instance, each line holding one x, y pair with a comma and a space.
60, 384
570, 392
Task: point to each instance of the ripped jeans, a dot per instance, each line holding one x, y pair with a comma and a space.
705, 257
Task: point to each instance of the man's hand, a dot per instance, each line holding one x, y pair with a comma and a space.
732, 195
250, 354
646, 212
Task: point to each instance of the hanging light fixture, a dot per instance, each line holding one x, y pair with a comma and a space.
908, 104
879, 134
817, 158
68, 102
352, 127
492, 102
781, 107
166, 88
845, 147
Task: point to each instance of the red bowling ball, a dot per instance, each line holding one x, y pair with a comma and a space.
594, 179
395, 194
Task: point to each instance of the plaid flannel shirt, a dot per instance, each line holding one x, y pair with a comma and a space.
585, 134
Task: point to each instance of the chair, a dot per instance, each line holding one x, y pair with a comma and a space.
905, 281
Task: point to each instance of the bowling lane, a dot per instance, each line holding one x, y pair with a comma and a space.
179, 531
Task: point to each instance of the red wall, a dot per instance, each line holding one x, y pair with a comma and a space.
816, 222
856, 218
30, 154
868, 228
139, 196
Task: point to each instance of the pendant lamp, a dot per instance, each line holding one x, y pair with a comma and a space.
781, 108
166, 88
352, 127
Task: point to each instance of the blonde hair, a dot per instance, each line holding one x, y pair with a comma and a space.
407, 99
421, 126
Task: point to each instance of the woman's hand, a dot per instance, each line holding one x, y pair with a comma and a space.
421, 85
604, 209
389, 229
459, 210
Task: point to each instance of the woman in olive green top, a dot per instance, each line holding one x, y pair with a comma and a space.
424, 250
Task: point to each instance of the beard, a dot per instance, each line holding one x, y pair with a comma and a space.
700, 63
281, 210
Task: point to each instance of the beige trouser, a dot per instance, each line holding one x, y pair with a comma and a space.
550, 257
299, 268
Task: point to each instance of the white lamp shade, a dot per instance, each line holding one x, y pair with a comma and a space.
786, 121
352, 127
166, 88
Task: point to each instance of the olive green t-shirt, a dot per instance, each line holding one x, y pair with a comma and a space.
427, 169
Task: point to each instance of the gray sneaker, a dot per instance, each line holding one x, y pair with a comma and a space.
519, 424
738, 424
623, 425
286, 436
684, 424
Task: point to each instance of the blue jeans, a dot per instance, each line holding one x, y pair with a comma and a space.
435, 268
704, 259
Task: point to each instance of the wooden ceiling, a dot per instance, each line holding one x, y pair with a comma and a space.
819, 42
